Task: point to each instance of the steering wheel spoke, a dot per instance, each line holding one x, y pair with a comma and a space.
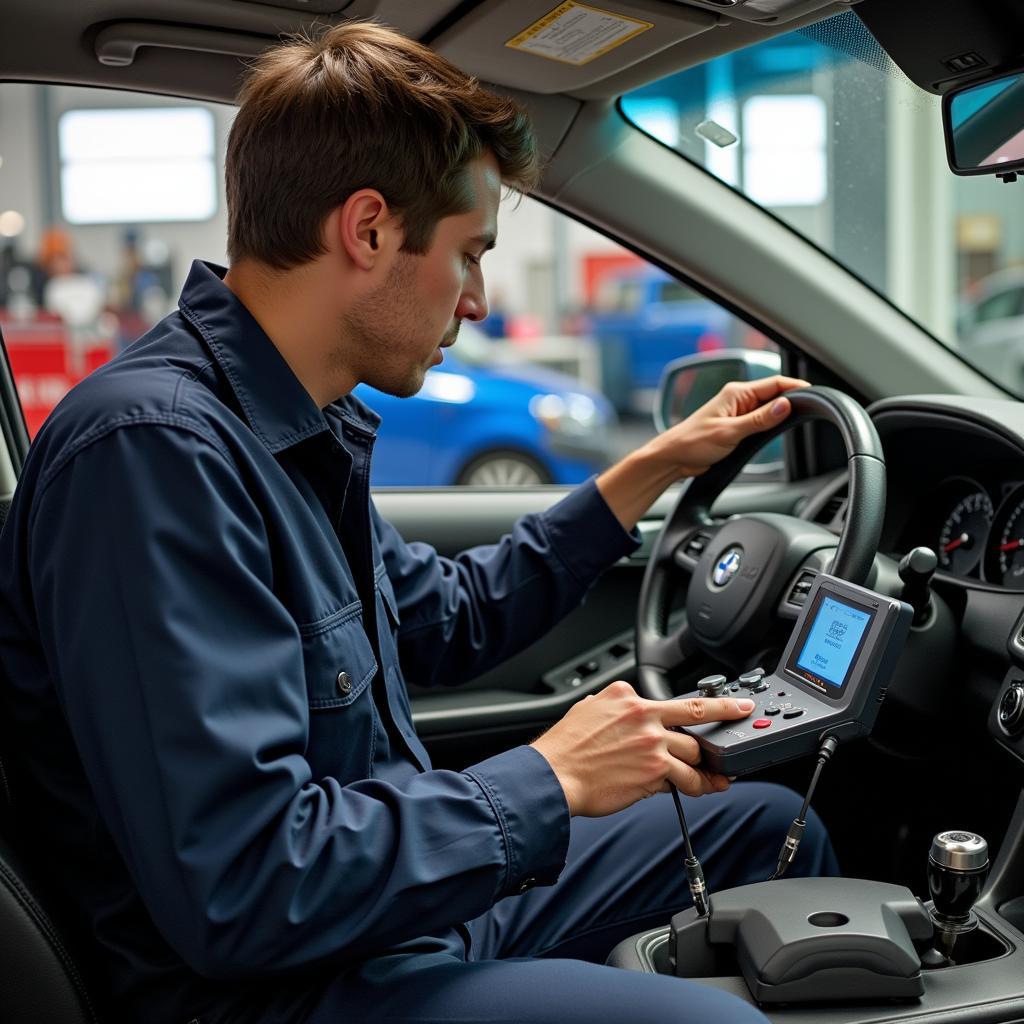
669, 653
663, 658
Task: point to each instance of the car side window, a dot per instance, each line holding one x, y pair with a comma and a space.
109, 196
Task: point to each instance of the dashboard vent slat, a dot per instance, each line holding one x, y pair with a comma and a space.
833, 511
802, 587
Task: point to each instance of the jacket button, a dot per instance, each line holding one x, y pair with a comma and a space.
344, 684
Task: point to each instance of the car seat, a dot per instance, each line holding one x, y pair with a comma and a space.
40, 979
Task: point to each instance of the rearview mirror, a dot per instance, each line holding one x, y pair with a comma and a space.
984, 127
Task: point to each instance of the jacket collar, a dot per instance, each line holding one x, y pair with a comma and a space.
278, 409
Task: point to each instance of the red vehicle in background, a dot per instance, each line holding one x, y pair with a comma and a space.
48, 360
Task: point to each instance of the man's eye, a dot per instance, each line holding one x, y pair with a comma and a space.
475, 260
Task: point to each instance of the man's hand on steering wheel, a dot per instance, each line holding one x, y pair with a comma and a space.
689, 448
740, 409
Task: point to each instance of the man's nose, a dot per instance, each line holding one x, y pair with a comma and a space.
472, 303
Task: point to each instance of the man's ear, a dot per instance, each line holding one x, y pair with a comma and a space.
365, 229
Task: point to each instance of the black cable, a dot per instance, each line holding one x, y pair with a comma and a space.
694, 872
687, 845
796, 831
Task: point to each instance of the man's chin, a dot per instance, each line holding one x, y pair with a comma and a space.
402, 389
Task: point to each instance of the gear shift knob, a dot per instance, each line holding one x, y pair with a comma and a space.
957, 869
916, 570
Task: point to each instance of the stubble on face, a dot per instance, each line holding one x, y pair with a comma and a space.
386, 337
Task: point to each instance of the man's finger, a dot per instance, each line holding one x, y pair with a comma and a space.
763, 418
696, 781
758, 391
694, 710
683, 747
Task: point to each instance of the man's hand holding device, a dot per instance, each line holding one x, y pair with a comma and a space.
615, 747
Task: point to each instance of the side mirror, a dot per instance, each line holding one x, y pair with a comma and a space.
984, 127
687, 383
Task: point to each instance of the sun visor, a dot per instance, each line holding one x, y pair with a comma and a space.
544, 46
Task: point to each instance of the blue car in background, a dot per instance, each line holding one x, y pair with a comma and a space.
643, 319
485, 425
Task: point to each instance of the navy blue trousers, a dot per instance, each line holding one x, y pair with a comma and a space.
539, 958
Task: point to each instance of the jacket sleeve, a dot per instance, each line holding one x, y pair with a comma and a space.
460, 616
181, 677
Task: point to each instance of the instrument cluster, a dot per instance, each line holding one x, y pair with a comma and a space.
977, 533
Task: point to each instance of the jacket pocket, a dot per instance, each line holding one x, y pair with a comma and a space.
338, 658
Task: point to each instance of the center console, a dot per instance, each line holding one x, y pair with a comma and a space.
812, 949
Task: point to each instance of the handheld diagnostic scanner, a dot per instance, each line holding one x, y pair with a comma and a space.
830, 681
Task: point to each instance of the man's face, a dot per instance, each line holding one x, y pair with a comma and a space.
401, 328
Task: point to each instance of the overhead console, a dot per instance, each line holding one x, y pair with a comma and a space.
940, 45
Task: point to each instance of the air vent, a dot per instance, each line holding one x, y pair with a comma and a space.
802, 587
696, 544
833, 511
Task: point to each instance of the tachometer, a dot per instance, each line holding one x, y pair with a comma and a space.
1004, 562
961, 543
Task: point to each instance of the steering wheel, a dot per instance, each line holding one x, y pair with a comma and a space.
742, 572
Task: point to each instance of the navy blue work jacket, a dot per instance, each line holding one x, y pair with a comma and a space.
206, 628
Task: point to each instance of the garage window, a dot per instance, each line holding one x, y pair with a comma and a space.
137, 165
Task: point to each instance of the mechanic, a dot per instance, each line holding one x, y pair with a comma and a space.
206, 626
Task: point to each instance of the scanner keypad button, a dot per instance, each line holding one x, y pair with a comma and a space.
793, 713
762, 723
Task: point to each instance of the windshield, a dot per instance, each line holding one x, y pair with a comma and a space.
820, 128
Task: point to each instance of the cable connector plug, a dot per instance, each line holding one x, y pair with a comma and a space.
789, 847
698, 889
827, 749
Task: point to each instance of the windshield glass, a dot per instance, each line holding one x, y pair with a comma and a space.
820, 128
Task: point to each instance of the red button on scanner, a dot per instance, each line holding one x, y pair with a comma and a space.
762, 723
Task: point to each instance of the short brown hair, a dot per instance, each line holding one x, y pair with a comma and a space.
360, 107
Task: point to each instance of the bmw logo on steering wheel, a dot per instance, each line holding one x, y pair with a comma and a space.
727, 566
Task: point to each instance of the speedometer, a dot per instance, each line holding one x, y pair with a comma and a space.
1004, 561
961, 543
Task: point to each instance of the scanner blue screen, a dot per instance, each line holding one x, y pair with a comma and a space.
832, 641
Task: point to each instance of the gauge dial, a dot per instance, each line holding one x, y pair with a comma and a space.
962, 541
1005, 561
